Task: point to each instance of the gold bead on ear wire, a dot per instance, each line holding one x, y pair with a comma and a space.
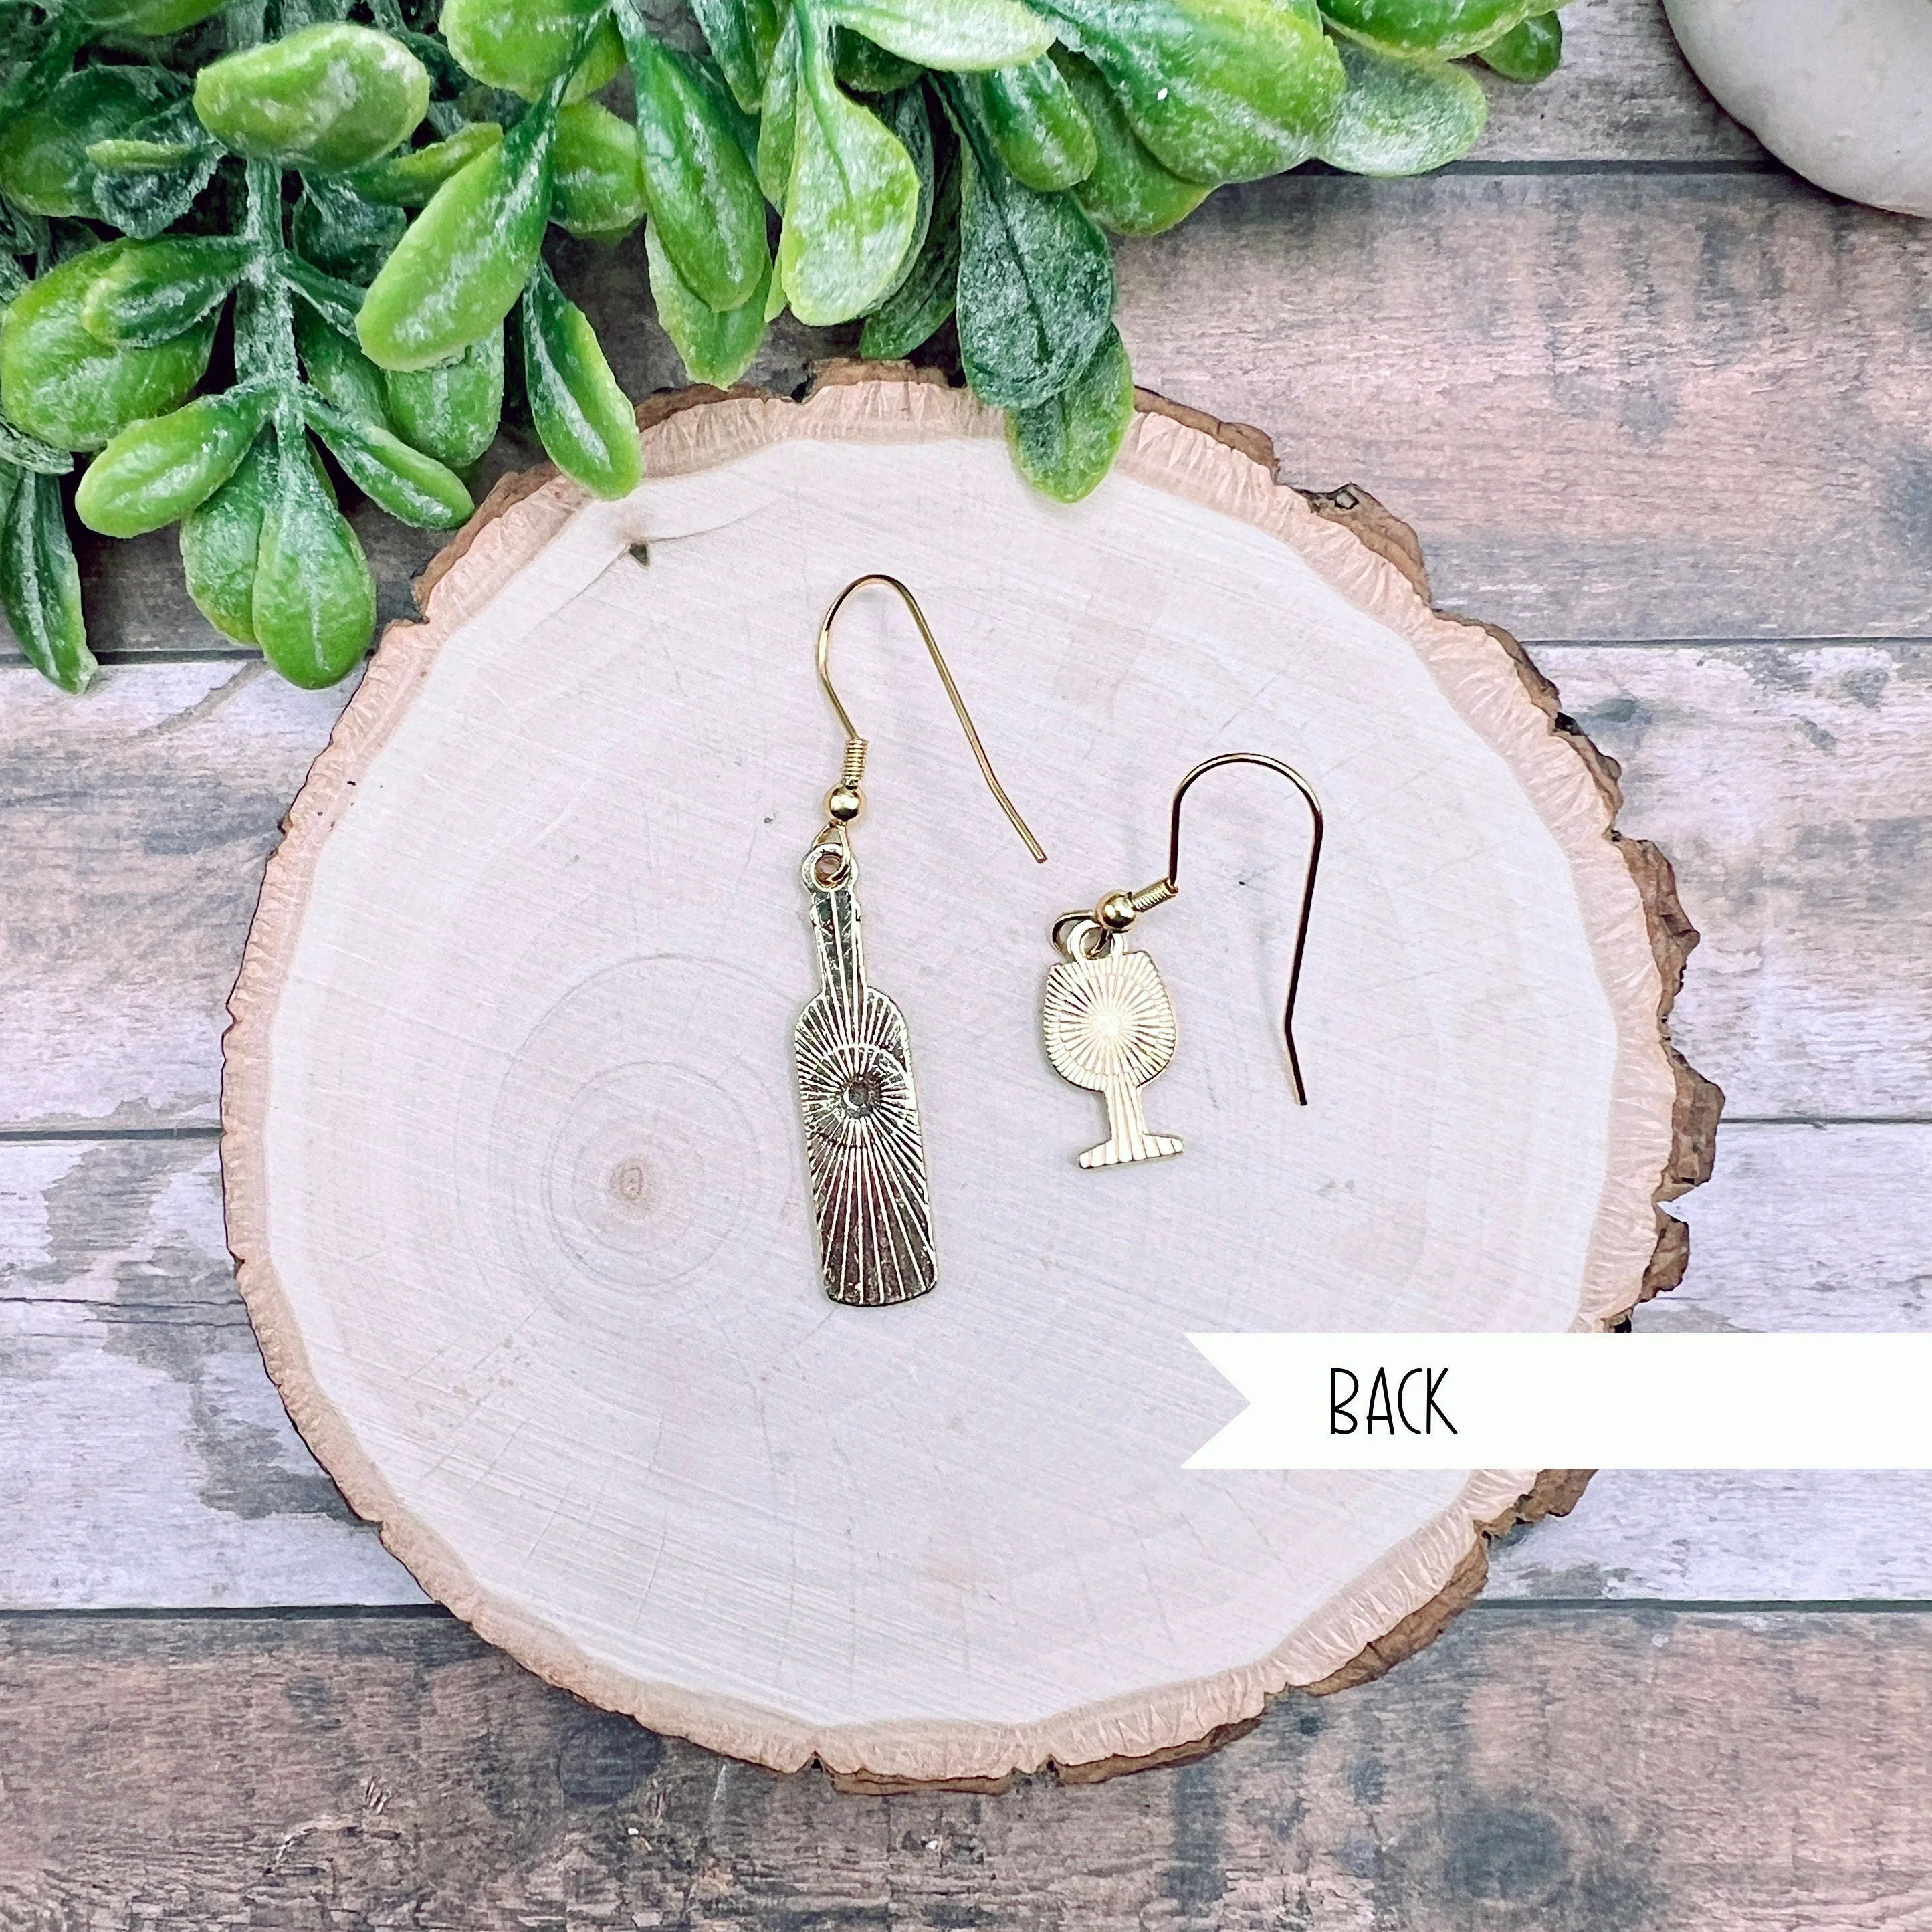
863, 1146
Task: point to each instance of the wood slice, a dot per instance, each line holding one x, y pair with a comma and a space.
513, 1164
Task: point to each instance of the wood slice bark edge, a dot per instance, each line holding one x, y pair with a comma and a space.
1698, 1102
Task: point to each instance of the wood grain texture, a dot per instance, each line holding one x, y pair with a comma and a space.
1792, 789
153, 1464
1788, 787
1763, 744
151, 1461
1697, 1536
1816, 1229
555, 1557
1598, 397
137, 607
1638, 370
1607, 1771
1622, 94
135, 822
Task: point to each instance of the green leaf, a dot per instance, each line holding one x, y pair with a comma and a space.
1528, 53
1033, 119
339, 303
327, 97
21, 234
156, 289
40, 586
524, 45
596, 184
952, 34
313, 610
1036, 292
1446, 29
341, 233
140, 156
412, 488
864, 67
778, 115
451, 412
703, 196
143, 201
20, 450
584, 420
905, 113
155, 472
52, 155
220, 542
601, 63
1220, 90
340, 371
63, 385
1403, 117
717, 348
742, 35
44, 164
147, 18
915, 310
1128, 190
462, 265
407, 180
1065, 445
853, 200
744, 126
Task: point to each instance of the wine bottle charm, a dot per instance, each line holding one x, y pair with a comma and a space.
863, 1148
862, 1143
1108, 1024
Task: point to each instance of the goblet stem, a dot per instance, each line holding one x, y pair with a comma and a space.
1128, 1139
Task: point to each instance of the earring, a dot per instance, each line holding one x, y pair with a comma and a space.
1108, 1022
862, 1143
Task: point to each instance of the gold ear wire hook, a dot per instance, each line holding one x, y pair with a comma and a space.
1118, 910
846, 793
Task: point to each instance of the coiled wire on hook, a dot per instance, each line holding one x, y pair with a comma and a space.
1118, 910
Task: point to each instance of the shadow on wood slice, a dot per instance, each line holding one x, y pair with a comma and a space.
285, 1100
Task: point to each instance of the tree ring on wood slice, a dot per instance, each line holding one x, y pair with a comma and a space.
513, 1169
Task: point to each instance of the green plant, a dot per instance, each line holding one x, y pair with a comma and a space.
334, 227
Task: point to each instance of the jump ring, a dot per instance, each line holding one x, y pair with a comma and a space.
1079, 935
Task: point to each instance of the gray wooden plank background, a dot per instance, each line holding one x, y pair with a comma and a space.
1655, 405
1553, 1771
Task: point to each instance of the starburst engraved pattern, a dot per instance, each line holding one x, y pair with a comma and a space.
856, 1095
1110, 1027
862, 1143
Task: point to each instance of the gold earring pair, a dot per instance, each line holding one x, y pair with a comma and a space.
1108, 1023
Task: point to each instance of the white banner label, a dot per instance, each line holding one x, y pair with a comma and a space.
1573, 1402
